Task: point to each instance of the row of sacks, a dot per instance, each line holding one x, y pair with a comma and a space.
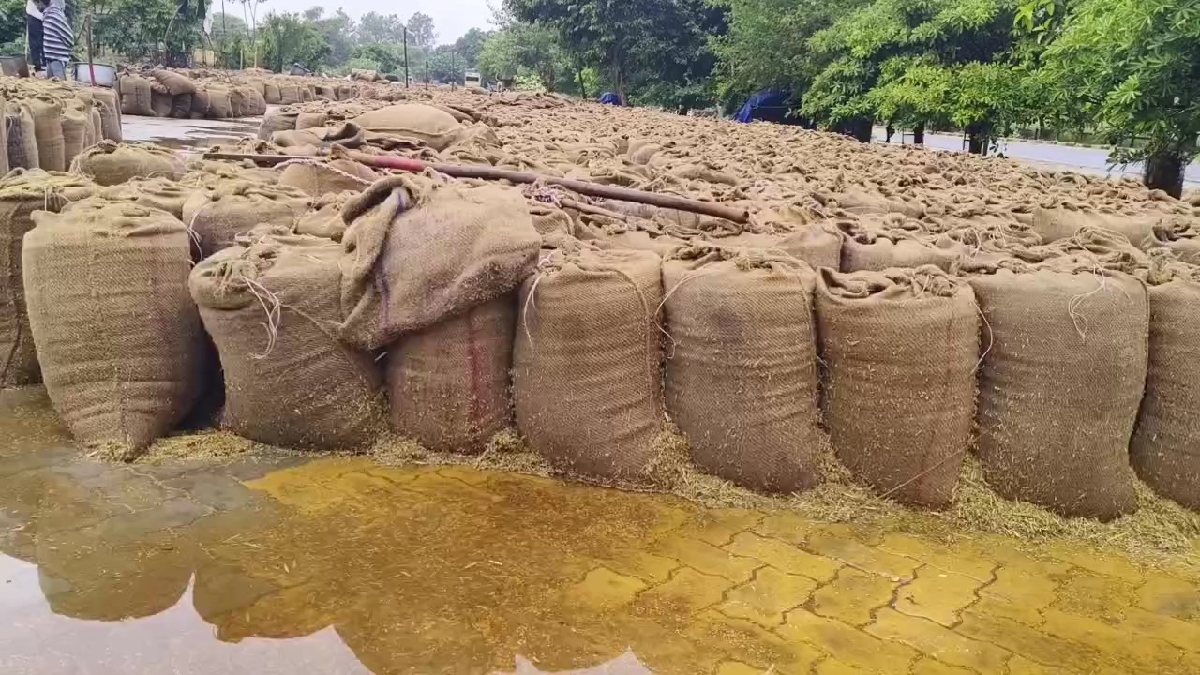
168, 94
47, 125
1065, 372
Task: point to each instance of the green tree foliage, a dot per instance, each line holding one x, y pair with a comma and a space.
384, 58
289, 38
139, 28
12, 26
1132, 68
521, 50
375, 28
470, 45
421, 31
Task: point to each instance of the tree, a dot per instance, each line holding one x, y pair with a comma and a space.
520, 49
375, 28
288, 38
1132, 68
230, 35
384, 58
470, 45
421, 31
136, 28
338, 32
446, 66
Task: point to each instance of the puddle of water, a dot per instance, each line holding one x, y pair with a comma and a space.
283, 565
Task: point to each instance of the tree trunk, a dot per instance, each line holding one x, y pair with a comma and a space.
890, 131
919, 134
1165, 172
582, 89
979, 136
861, 129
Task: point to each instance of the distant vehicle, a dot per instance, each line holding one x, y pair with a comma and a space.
473, 79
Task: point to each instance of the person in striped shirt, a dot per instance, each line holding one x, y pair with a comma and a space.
58, 42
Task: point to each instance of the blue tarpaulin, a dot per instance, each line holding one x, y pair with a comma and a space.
769, 105
610, 98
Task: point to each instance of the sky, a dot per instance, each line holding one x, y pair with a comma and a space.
451, 18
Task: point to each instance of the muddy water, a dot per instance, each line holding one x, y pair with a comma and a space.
291, 565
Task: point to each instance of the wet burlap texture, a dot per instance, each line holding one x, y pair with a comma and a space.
1060, 385
317, 178
413, 121
448, 385
587, 362
22, 193
271, 307
158, 193
136, 96
238, 206
420, 248
118, 338
871, 249
741, 367
109, 163
900, 349
46, 113
1164, 450
20, 137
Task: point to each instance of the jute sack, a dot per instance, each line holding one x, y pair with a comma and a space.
118, 338
1164, 451
741, 373
587, 362
110, 114
413, 121
318, 178
136, 96
161, 101
181, 106
175, 83
877, 250
75, 130
237, 207
305, 120
22, 193
1056, 224
271, 92
276, 121
288, 93
900, 348
818, 245
254, 103
201, 102
448, 385
270, 307
420, 249
159, 193
109, 163
345, 92
21, 137
237, 102
220, 105
47, 113
4, 136
324, 219
95, 133
1060, 385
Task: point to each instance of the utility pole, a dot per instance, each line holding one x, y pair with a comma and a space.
453, 70
405, 34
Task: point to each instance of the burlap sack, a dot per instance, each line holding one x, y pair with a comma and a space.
110, 113
161, 101
818, 245
46, 113
110, 163
118, 338
1164, 451
289, 93
318, 178
20, 137
448, 385
1057, 224
220, 105
181, 106
425, 249
94, 129
324, 219
201, 102
159, 193
175, 83
22, 193
877, 250
276, 121
237, 102
4, 136
305, 120
1061, 380
136, 96
254, 103
271, 92
414, 122
741, 371
587, 362
900, 348
345, 92
75, 130
236, 207
270, 307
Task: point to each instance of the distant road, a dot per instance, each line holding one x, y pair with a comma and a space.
1049, 155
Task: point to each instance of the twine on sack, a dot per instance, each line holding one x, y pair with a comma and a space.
193, 235
311, 161
270, 303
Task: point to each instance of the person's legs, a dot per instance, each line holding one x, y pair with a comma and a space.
56, 69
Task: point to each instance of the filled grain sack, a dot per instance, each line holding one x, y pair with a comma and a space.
22, 193
324, 219
76, 125
46, 113
175, 83
425, 249
587, 362
181, 106
95, 134
136, 96
4, 136
871, 249
289, 93
271, 92
161, 101
238, 206
414, 122
1058, 224
110, 163
270, 307
237, 102
900, 348
1164, 450
110, 113
220, 105
201, 102
1060, 384
20, 137
448, 384
254, 103
118, 338
317, 178
741, 323
305, 120
275, 121
159, 193
819, 245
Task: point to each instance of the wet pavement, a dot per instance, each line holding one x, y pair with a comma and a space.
276, 564
187, 134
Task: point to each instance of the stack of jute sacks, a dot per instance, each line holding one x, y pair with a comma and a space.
341, 302
48, 124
